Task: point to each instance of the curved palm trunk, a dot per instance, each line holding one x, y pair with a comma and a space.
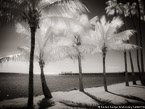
126, 72
81, 87
45, 89
31, 87
104, 71
141, 44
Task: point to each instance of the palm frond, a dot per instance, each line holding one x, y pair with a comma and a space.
100, 30
84, 20
61, 25
22, 30
103, 20
33, 3
87, 48
116, 23
94, 20
123, 47
59, 53
123, 36
24, 49
12, 11
14, 57
66, 8
110, 10
113, 7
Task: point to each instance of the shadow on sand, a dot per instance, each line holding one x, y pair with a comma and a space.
45, 103
77, 105
129, 97
104, 102
100, 101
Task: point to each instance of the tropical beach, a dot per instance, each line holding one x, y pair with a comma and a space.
66, 54
15, 85
119, 96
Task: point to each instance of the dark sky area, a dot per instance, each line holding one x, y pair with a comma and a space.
9, 41
96, 7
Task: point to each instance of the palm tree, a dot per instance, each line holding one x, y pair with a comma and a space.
106, 38
120, 9
48, 49
82, 45
113, 9
130, 11
31, 11
79, 43
139, 8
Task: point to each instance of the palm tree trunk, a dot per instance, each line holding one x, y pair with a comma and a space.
141, 44
31, 87
81, 87
45, 89
126, 72
132, 68
137, 51
104, 71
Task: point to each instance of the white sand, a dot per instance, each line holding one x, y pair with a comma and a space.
79, 97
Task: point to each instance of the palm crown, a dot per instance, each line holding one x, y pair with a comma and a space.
113, 7
106, 35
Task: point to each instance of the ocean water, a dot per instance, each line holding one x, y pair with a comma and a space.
16, 85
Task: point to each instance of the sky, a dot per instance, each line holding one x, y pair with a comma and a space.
90, 63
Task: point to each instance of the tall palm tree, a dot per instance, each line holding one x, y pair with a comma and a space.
31, 11
82, 45
106, 38
123, 10
114, 9
130, 11
139, 7
76, 47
